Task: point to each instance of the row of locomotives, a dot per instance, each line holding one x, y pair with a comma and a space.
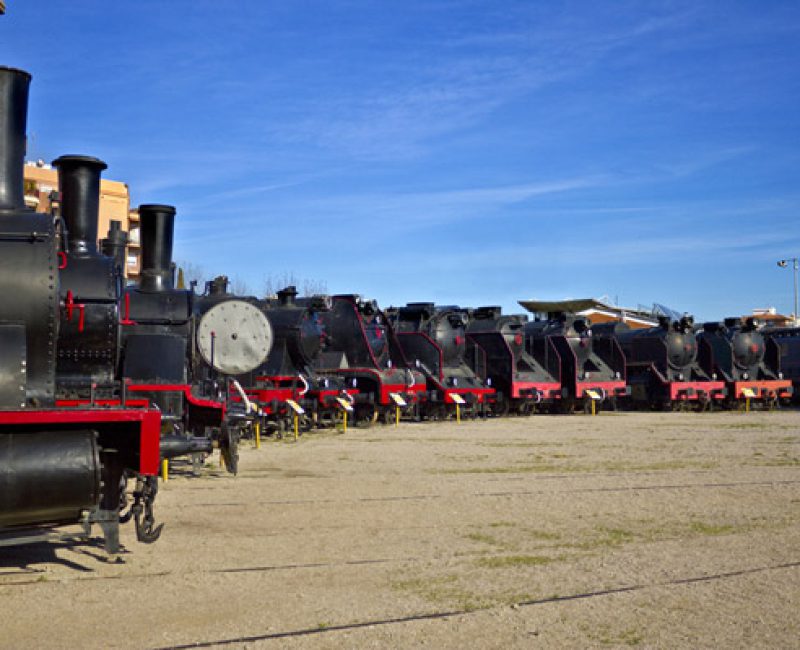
738, 353
592, 369
284, 385
361, 348
525, 377
662, 365
787, 341
434, 339
71, 439
158, 346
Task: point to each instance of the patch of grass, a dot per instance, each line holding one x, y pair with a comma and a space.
502, 524
483, 539
444, 591
512, 561
702, 528
543, 535
658, 466
606, 538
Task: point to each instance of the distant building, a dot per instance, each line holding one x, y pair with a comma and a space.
771, 318
595, 310
41, 188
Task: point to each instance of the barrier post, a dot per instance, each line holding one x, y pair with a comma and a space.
165, 469
397, 416
258, 434
296, 426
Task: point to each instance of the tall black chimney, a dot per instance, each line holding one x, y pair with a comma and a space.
14, 86
79, 185
157, 225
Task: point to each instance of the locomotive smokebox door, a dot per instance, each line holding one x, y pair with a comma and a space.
234, 337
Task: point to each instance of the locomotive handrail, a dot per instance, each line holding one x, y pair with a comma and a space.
33, 236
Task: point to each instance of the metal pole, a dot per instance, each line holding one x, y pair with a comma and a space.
794, 259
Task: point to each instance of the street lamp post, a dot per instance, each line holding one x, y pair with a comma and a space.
783, 264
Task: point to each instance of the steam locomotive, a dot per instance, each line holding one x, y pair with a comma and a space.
662, 364
362, 349
434, 339
591, 369
748, 362
71, 436
787, 339
525, 377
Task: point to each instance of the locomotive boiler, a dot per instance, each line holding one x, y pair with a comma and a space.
591, 369
747, 361
362, 349
662, 364
523, 378
62, 461
434, 339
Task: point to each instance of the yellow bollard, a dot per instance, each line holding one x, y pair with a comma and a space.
397, 416
594, 407
258, 434
458, 413
296, 427
344, 421
747, 405
165, 469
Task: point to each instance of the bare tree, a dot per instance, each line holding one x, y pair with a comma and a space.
306, 286
238, 286
192, 273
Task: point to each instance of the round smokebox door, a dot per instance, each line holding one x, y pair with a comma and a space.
234, 337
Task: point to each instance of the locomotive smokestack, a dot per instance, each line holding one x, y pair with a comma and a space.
287, 296
14, 86
79, 185
115, 243
157, 229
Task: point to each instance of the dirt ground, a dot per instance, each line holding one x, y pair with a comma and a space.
653, 530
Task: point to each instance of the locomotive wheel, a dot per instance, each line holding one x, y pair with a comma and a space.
501, 407
365, 416
229, 447
388, 416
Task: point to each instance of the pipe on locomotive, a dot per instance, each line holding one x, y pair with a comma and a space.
79, 186
14, 85
115, 243
157, 227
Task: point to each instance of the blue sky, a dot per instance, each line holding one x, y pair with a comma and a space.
470, 152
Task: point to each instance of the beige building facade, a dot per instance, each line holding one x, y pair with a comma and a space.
41, 188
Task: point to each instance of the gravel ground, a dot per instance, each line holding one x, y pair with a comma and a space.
629, 529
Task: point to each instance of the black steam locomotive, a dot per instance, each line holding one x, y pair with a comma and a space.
525, 377
787, 339
662, 364
362, 349
592, 369
70, 434
748, 362
434, 339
